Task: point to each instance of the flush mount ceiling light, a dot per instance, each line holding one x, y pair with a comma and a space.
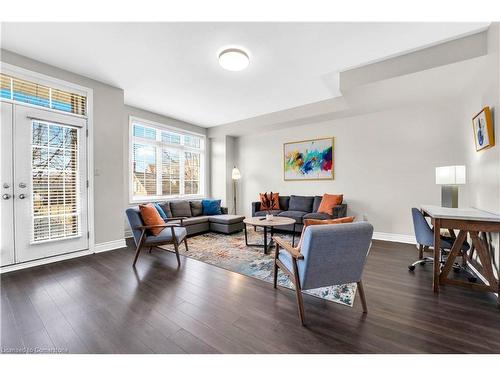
234, 59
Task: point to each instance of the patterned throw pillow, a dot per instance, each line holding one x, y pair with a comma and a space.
150, 216
269, 201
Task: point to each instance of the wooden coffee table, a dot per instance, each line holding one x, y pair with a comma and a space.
276, 221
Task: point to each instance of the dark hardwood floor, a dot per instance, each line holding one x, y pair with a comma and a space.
99, 304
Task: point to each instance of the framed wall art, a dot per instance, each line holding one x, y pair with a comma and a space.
309, 160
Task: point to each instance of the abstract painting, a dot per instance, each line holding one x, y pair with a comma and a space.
483, 129
308, 160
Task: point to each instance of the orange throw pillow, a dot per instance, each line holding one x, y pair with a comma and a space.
307, 222
328, 202
269, 201
150, 216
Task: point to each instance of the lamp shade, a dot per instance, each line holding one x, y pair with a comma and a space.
450, 175
236, 175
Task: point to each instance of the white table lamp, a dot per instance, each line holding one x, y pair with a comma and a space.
449, 178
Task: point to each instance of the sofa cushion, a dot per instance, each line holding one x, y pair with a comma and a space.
284, 200
180, 208
196, 208
264, 213
211, 206
165, 206
317, 215
166, 236
226, 219
297, 215
195, 220
316, 202
300, 203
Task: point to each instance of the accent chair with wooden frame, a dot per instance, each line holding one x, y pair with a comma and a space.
174, 235
331, 254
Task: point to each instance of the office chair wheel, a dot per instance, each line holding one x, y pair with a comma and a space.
472, 279
411, 267
456, 269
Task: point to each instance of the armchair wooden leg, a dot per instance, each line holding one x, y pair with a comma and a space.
275, 275
137, 251
186, 243
298, 292
176, 247
139, 248
362, 296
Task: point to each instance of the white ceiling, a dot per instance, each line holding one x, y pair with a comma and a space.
172, 68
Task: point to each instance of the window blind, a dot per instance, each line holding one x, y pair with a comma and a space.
165, 162
33, 93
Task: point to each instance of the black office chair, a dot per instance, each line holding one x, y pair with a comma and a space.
425, 239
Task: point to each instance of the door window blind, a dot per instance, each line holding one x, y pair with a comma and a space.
55, 182
33, 93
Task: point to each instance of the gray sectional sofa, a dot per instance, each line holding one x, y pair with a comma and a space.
299, 208
195, 222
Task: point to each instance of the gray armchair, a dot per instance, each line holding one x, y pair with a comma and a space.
329, 255
172, 233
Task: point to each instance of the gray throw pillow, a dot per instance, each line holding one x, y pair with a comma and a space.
300, 203
165, 206
180, 208
317, 202
196, 208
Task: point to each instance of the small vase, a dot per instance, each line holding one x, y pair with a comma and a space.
269, 217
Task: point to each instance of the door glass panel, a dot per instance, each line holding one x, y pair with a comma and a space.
55, 176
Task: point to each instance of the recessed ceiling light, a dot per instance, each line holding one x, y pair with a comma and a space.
234, 59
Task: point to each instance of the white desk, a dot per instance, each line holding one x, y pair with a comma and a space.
468, 221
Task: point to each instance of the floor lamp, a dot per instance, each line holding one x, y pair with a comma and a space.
449, 178
235, 175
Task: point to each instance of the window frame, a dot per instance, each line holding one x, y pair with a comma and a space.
182, 148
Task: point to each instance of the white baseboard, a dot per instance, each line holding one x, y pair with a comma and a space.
98, 248
110, 245
393, 237
39, 262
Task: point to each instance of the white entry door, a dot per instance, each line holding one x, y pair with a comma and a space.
6, 187
49, 183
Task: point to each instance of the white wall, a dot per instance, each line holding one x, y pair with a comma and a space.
222, 160
484, 166
384, 162
218, 168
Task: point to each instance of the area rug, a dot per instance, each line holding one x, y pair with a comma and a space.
231, 253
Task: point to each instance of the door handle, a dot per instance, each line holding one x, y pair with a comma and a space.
22, 196
6, 196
